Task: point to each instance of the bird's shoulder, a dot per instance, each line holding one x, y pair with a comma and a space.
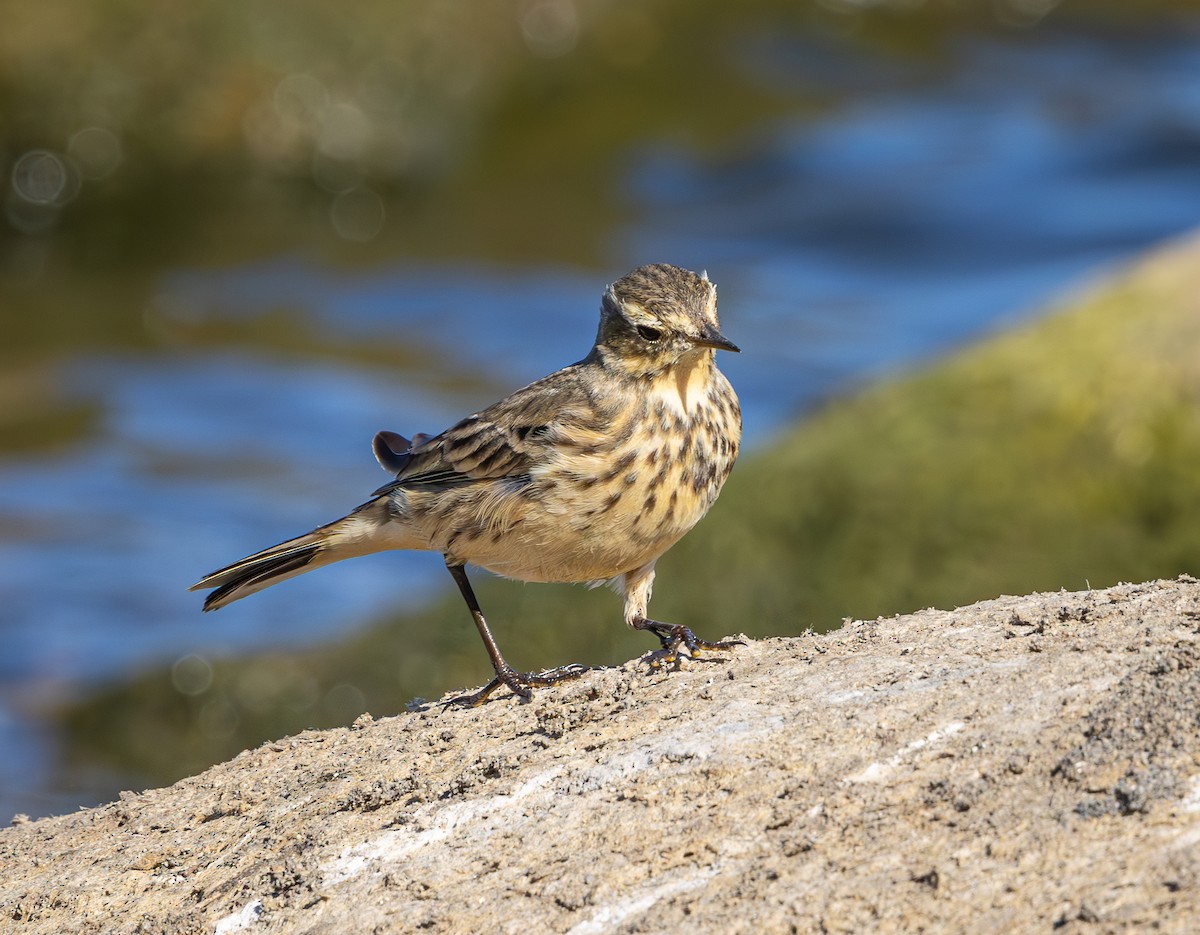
507, 438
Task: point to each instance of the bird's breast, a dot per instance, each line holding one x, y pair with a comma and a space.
606, 508
605, 496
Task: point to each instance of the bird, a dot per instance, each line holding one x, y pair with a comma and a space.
587, 475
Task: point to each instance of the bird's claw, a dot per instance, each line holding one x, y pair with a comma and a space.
675, 637
519, 683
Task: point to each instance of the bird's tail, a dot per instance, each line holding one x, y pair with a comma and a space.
370, 528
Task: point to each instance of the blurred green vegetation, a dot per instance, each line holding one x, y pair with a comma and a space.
200, 133
1063, 454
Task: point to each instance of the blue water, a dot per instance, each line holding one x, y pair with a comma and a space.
925, 206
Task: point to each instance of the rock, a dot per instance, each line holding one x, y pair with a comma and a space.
1025, 763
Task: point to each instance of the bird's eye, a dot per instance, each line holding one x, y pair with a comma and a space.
648, 333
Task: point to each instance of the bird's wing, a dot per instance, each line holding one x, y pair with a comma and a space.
504, 440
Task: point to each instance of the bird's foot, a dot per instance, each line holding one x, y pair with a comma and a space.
519, 683
674, 638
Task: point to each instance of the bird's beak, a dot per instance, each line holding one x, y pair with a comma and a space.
711, 337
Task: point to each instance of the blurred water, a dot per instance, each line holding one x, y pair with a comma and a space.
905, 218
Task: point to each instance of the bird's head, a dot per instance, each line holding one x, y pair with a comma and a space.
657, 316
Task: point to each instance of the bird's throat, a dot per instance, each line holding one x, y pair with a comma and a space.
689, 378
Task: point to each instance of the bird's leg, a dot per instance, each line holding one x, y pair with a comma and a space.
674, 635
638, 585
518, 682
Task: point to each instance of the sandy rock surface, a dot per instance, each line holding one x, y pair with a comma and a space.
1023, 764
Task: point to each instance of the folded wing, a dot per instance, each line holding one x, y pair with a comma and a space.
504, 440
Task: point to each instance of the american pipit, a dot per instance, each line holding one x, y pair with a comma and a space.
588, 475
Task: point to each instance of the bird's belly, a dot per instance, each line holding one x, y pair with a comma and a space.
589, 527
569, 555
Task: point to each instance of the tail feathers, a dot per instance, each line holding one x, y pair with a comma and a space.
259, 571
365, 530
